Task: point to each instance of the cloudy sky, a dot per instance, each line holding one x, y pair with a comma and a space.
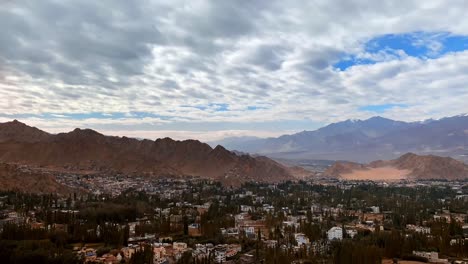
211, 69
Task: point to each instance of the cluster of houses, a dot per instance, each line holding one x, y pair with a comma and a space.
250, 219
163, 252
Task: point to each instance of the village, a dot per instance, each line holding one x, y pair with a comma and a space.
190, 220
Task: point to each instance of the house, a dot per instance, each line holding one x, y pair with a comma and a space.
159, 255
375, 209
89, 254
301, 239
419, 229
351, 232
128, 252
374, 217
202, 209
465, 230
251, 227
246, 208
250, 232
220, 256
176, 222
268, 208
230, 232
109, 259
432, 256
335, 233
179, 246
315, 208
270, 243
247, 259
194, 230
320, 246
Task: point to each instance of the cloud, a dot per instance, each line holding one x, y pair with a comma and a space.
183, 63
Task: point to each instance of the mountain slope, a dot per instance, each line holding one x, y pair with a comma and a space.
408, 166
14, 177
432, 167
84, 149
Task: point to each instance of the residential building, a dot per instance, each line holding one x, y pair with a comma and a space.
335, 233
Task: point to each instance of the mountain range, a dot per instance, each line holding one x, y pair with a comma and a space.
31, 158
87, 151
364, 140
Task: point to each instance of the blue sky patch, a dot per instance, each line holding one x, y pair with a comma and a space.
423, 45
199, 107
255, 107
380, 108
346, 63
220, 107
213, 106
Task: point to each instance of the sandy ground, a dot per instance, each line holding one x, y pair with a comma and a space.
377, 174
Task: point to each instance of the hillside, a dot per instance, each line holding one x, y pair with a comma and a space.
88, 150
15, 177
19, 132
408, 166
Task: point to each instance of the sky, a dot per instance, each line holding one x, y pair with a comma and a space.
214, 69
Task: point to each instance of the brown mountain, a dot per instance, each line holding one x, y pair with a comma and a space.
19, 132
408, 166
85, 149
432, 167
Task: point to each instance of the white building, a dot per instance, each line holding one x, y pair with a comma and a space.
375, 209
301, 239
268, 208
250, 231
220, 256
419, 229
351, 232
431, 256
335, 233
246, 208
270, 243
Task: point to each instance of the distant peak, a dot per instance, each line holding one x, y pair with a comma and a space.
85, 132
407, 155
219, 147
371, 119
20, 132
379, 118
164, 140
16, 122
